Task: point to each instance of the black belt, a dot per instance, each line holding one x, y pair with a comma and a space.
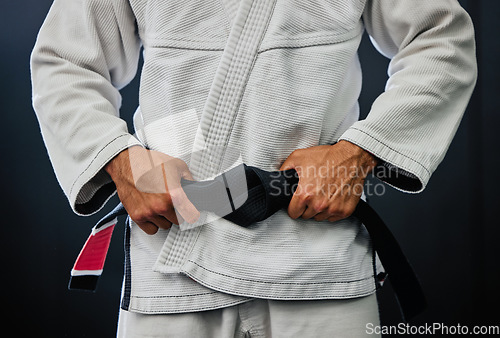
267, 193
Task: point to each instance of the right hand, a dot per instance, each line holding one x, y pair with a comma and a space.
148, 185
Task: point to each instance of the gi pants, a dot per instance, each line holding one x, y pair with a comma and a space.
260, 318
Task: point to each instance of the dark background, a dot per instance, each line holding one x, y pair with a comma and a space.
450, 232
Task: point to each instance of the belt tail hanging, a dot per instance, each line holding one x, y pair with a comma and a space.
404, 281
90, 262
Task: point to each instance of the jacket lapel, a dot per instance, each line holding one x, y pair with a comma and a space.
231, 9
221, 108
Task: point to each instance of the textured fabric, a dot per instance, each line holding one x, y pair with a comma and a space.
266, 193
260, 318
212, 91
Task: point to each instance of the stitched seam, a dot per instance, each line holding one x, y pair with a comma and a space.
175, 296
231, 68
280, 43
239, 99
93, 160
411, 159
237, 54
378, 155
298, 47
284, 283
195, 309
302, 42
346, 34
190, 48
171, 38
224, 81
194, 241
218, 287
245, 323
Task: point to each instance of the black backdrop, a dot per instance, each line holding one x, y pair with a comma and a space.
449, 232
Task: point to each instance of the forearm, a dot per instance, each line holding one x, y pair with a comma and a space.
432, 75
84, 53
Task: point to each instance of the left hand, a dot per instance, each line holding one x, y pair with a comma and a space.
331, 179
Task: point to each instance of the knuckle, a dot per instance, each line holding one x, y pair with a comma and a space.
159, 206
320, 206
305, 196
345, 212
333, 210
349, 211
138, 216
146, 214
340, 212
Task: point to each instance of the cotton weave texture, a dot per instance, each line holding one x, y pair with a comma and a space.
229, 82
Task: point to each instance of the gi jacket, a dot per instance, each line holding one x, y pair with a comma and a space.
250, 81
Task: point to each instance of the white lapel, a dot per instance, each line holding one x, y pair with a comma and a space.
222, 105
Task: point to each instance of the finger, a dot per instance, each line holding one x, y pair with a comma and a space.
297, 205
180, 201
158, 210
328, 211
172, 216
309, 213
161, 222
345, 211
322, 216
334, 218
316, 207
148, 227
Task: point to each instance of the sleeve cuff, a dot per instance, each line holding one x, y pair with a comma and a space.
94, 187
395, 168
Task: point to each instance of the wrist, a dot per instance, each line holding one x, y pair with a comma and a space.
366, 160
120, 164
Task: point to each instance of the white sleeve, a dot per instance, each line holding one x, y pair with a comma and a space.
432, 74
85, 52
